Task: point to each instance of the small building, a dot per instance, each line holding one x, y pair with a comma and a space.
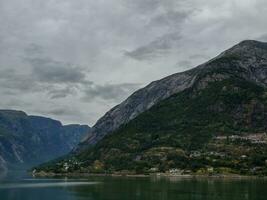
66, 166
176, 171
210, 169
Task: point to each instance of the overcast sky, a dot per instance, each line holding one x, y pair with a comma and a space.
75, 59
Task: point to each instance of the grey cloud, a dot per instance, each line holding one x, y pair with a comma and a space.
150, 6
263, 38
62, 111
156, 48
184, 63
13, 103
62, 93
143, 6
69, 114
6, 73
170, 19
12, 81
58, 53
109, 92
33, 50
198, 56
57, 80
48, 70
60, 80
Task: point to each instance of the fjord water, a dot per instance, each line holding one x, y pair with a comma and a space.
122, 188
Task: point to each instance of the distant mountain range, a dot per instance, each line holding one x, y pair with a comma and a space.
27, 140
210, 119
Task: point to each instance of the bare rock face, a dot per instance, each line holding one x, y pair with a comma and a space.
247, 59
139, 102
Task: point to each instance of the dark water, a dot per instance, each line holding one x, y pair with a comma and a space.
114, 188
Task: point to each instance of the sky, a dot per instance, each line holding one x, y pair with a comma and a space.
73, 60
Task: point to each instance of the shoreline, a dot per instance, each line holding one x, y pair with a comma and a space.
159, 175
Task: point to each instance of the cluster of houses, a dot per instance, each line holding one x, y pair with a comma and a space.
70, 163
257, 138
179, 171
197, 154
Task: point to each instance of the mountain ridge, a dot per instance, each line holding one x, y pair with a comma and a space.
27, 139
156, 91
213, 124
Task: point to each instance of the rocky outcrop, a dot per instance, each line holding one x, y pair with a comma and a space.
248, 59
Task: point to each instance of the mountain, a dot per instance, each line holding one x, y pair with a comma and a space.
28, 140
247, 53
210, 119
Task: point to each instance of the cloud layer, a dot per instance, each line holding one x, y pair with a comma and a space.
74, 60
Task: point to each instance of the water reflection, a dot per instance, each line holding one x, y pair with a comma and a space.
42, 185
180, 189
122, 188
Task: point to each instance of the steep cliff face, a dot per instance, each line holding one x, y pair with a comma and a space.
32, 139
76, 132
139, 102
248, 59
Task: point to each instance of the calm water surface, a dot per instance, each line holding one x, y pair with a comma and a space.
118, 188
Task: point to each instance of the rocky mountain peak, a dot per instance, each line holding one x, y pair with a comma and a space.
247, 49
252, 43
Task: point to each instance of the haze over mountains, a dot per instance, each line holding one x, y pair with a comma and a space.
27, 140
210, 117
